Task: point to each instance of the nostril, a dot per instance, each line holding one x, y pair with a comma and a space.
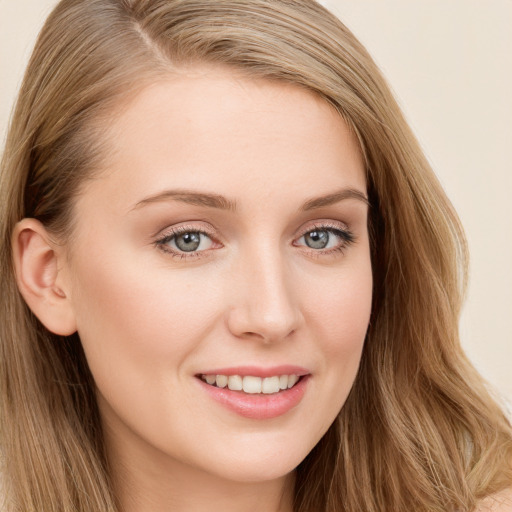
268, 310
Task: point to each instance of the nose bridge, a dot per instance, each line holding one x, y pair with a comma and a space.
266, 306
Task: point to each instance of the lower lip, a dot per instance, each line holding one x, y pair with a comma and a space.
258, 406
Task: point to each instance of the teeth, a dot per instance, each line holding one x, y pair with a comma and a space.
221, 381
235, 383
252, 385
292, 380
210, 379
270, 385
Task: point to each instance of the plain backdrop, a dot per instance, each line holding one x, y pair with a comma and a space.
449, 63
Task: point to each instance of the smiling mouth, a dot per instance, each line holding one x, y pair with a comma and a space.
252, 385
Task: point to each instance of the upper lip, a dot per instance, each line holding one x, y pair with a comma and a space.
258, 371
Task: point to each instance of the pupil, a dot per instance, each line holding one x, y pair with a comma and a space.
317, 239
188, 241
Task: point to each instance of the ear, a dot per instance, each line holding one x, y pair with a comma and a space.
38, 262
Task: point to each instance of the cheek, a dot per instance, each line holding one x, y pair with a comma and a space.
341, 309
139, 326
137, 320
339, 317
345, 320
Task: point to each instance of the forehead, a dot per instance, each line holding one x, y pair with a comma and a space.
213, 128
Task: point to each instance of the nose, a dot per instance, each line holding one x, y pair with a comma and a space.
264, 304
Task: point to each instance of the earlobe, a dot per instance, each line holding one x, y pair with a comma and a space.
38, 262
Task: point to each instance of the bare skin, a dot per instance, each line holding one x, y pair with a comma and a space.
228, 230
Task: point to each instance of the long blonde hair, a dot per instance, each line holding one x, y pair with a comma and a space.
418, 432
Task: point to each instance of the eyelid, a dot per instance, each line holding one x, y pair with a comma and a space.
340, 229
324, 225
171, 232
185, 228
329, 225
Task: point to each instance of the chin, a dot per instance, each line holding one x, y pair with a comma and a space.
259, 471
262, 461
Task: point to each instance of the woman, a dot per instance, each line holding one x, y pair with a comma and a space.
230, 276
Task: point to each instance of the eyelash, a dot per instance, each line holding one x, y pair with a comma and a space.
162, 242
346, 236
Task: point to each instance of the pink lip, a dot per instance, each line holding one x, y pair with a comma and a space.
258, 371
257, 406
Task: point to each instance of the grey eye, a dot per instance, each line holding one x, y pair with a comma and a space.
317, 239
325, 238
189, 241
186, 241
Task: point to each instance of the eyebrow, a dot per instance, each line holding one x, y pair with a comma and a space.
336, 197
190, 197
222, 203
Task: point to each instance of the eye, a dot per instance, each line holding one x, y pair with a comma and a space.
323, 238
191, 241
184, 241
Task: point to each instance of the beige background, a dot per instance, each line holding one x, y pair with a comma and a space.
449, 63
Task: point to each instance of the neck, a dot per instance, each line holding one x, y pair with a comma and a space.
187, 491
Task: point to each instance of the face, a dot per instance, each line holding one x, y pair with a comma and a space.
220, 275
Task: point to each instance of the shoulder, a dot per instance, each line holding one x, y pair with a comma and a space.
500, 502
